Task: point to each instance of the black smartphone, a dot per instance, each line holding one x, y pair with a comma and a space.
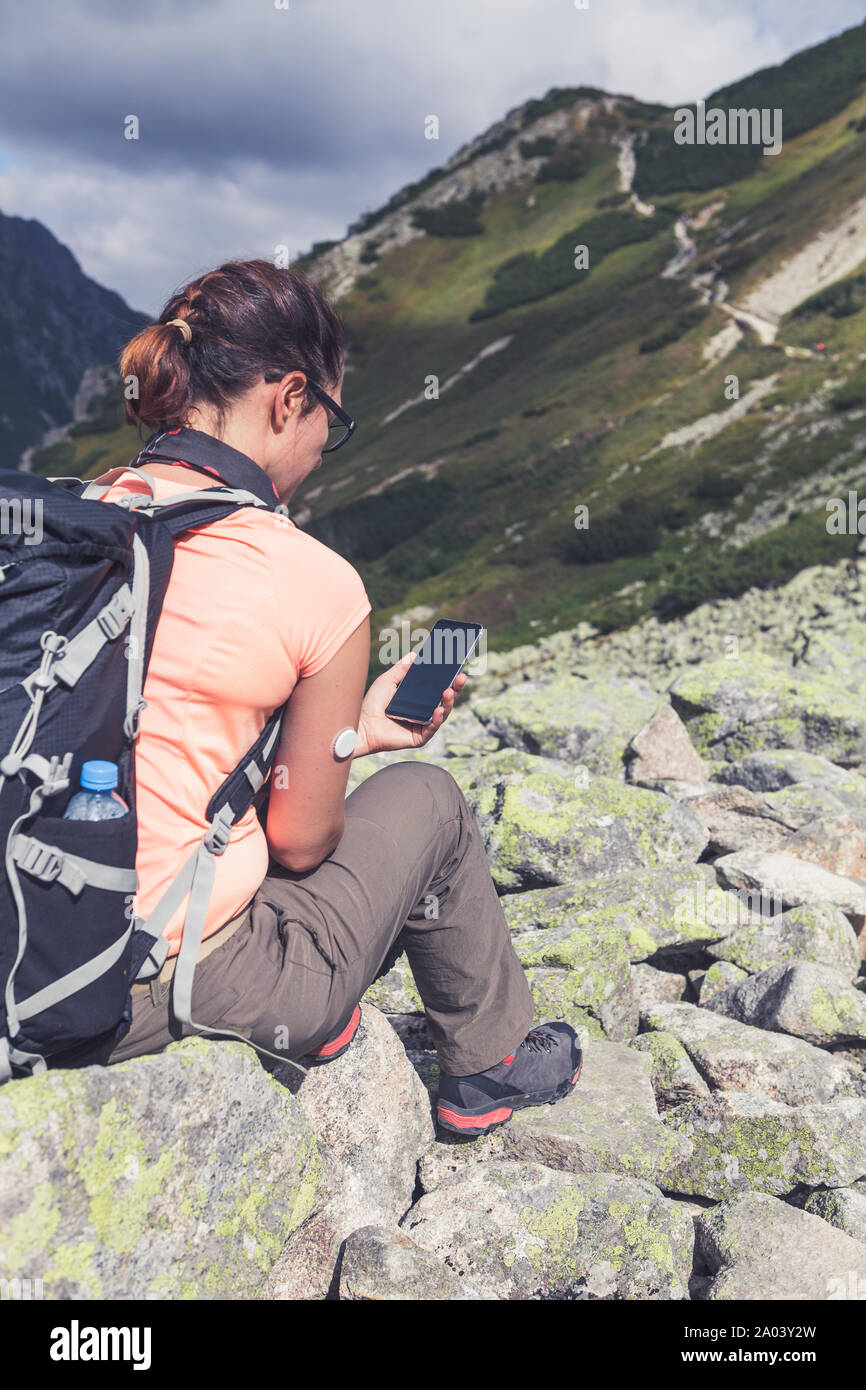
448, 647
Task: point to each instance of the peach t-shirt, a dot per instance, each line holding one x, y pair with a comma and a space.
252, 606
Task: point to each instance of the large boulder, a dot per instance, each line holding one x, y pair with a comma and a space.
543, 824
385, 1265
609, 1123
843, 1207
662, 750
595, 975
178, 1175
745, 1142
809, 1001
735, 817
772, 769
758, 1248
665, 910
785, 881
734, 1056
372, 1116
819, 935
524, 1231
560, 715
735, 707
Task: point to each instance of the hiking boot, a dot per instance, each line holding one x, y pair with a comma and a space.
544, 1068
335, 1046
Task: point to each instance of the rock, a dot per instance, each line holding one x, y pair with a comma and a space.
395, 992
736, 819
772, 769
843, 1207
587, 1002
746, 1142
800, 804
663, 749
666, 910
372, 1117
609, 1123
523, 1231
736, 707
674, 1078
657, 986
542, 824
822, 935
837, 843
760, 1248
178, 1175
387, 1266
596, 975
717, 979
783, 879
733, 1056
813, 1002
564, 716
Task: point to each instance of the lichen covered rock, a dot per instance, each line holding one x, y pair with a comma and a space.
747, 1143
180, 1175
758, 1248
524, 1231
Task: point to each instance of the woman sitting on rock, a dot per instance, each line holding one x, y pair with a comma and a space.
317, 895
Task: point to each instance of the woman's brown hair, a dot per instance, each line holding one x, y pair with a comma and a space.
247, 319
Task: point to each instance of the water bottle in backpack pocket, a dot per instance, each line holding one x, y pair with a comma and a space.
98, 798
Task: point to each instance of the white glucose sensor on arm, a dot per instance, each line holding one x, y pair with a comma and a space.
345, 743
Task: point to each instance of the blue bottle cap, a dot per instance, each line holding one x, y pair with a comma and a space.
98, 775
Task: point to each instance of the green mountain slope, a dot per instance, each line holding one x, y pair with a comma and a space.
666, 378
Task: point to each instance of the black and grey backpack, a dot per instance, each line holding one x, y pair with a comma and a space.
82, 584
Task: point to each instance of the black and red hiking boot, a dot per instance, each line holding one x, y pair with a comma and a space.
335, 1046
544, 1068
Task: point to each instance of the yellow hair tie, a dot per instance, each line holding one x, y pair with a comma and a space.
183, 326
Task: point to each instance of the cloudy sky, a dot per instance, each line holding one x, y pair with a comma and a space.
261, 126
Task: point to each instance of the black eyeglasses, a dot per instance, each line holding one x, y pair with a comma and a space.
343, 422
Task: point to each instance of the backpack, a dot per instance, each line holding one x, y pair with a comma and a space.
82, 584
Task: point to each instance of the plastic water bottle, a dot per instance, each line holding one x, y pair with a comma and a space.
97, 799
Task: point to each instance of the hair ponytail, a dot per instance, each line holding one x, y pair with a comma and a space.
217, 337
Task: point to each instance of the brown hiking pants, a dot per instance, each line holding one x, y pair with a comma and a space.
411, 865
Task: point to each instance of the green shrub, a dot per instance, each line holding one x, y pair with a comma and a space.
371, 526
480, 438
688, 319
544, 145
452, 219
627, 532
851, 396
613, 200
565, 169
839, 300
717, 487
529, 276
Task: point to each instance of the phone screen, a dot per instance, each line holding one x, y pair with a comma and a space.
448, 647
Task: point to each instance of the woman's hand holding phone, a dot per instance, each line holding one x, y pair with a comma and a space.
377, 733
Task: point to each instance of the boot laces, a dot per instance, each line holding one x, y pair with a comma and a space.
539, 1039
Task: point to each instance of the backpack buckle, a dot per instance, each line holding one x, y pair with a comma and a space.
41, 861
114, 616
218, 836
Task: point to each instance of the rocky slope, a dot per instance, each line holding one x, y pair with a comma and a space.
677, 826
55, 322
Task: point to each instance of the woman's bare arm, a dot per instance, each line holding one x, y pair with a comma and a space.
306, 815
